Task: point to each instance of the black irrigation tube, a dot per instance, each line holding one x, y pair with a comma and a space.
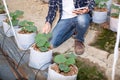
19, 76
13, 64
23, 56
21, 59
16, 45
40, 69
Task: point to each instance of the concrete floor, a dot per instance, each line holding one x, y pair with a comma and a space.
93, 54
5, 71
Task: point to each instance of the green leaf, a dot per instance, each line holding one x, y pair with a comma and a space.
42, 41
2, 10
18, 13
40, 37
60, 59
71, 55
64, 68
101, 3
70, 61
30, 23
22, 23
31, 28
28, 26
48, 35
43, 49
1, 7
15, 22
47, 44
115, 15
116, 11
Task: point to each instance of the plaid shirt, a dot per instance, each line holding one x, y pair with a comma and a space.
55, 4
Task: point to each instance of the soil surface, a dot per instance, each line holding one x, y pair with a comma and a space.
73, 70
34, 10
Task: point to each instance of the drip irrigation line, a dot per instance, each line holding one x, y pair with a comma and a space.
40, 70
2, 46
11, 60
20, 60
23, 56
12, 64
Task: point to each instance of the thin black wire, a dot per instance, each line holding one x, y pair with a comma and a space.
2, 46
40, 70
4, 37
20, 60
23, 56
11, 60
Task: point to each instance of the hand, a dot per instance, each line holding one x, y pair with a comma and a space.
81, 11
47, 28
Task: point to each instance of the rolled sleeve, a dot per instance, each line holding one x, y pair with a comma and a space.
91, 4
52, 11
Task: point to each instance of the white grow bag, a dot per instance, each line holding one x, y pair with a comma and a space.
114, 24
99, 17
25, 40
52, 75
40, 60
8, 30
2, 17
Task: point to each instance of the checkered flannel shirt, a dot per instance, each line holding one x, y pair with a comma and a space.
55, 5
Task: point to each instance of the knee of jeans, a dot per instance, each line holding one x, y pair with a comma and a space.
54, 44
83, 19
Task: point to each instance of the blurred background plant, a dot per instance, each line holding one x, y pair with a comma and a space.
89, 71
100, 4
105, 40
2, 10
116, 11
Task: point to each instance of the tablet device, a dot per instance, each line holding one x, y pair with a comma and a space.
79, 8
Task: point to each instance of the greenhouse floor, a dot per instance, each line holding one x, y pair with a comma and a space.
14, 62
97, 56
36, 11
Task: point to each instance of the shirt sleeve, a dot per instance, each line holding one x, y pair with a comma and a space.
52, 11
91, 4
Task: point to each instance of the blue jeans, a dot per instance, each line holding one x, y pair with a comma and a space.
66, 27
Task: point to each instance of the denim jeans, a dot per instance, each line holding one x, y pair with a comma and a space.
66, 27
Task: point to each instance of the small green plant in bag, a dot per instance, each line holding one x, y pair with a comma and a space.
27, 26
116, 12
64, 62
15, 17
42, 41
101, 4
2, 9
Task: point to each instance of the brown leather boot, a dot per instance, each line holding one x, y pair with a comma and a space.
79, 47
